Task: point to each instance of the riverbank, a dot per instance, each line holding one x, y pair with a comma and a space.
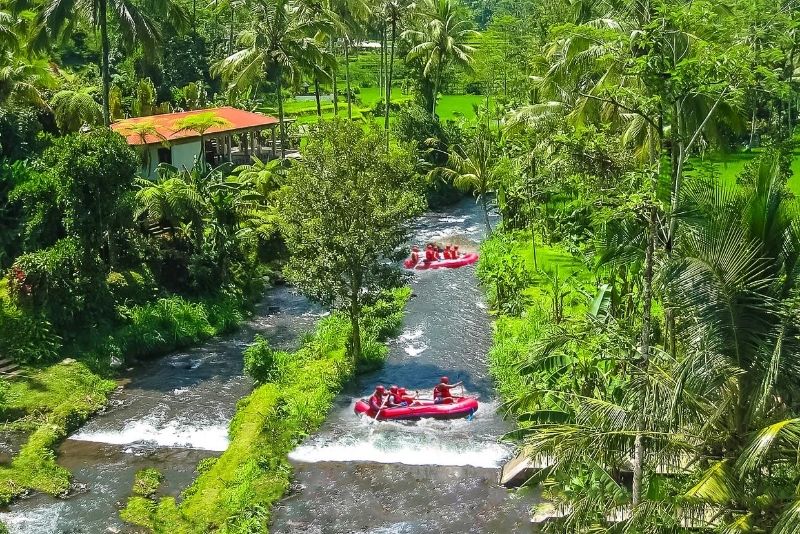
238, 488
45, 403
528, 297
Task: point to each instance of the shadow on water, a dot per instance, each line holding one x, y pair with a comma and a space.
356, 475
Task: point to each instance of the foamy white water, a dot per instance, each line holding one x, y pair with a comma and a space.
415, 350
411, 335
151, 431
402, 451
22, 523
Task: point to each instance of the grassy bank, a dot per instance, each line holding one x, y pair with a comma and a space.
449, 107
47, 402
527, 299
234, 493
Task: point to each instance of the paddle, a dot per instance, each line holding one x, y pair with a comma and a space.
385, 400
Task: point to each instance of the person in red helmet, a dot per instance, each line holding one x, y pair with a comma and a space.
454, 252
414, 255
429, 254
377, 401
441, 392
396, 398
448, 254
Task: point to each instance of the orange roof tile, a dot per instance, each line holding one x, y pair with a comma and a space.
165, 124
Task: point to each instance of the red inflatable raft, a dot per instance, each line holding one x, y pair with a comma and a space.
460, 407
465, 259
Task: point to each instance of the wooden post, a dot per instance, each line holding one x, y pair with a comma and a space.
274, 147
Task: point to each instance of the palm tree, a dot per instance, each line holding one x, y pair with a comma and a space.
9, 40
22, 80
75, 108
441, 40
173, 202
394, 12
474, 169
136, 25
145, 129
277, 48
200, 123
350, 17
720, 413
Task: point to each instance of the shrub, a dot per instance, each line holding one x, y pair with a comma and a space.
164, 325
147, 481
19, 132
3, 391
259, 361
26, 337
131, 287
62, 282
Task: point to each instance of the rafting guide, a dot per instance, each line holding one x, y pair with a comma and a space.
441, 393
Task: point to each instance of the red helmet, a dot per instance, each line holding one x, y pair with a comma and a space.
380, 389
393, 389
415, 248
401, 391
444, 380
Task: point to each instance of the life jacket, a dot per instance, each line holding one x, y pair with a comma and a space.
430, 255
448, 254
375, 402
454, 252
414, 258
441, 391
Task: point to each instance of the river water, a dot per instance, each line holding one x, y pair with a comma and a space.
356, 475
172, 413
353, 475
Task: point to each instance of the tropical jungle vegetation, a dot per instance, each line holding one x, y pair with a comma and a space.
639, 159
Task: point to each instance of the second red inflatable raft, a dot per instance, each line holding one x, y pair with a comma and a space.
466, 259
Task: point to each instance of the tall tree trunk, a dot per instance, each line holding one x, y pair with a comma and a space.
279, 92
647, 317
334, 81
317, 96
486, 214
202, 160
389, 78
355, 316
347, 76
382, 64
436, 82
106, 52
194, 22
647, 303
230, 31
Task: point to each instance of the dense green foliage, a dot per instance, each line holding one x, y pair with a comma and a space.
345, 208
234, 492
641, 157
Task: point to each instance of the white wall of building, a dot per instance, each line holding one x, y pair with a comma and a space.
183, 156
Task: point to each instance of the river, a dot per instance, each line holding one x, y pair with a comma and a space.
173, 412
353, 475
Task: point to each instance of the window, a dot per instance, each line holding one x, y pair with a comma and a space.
165, 155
